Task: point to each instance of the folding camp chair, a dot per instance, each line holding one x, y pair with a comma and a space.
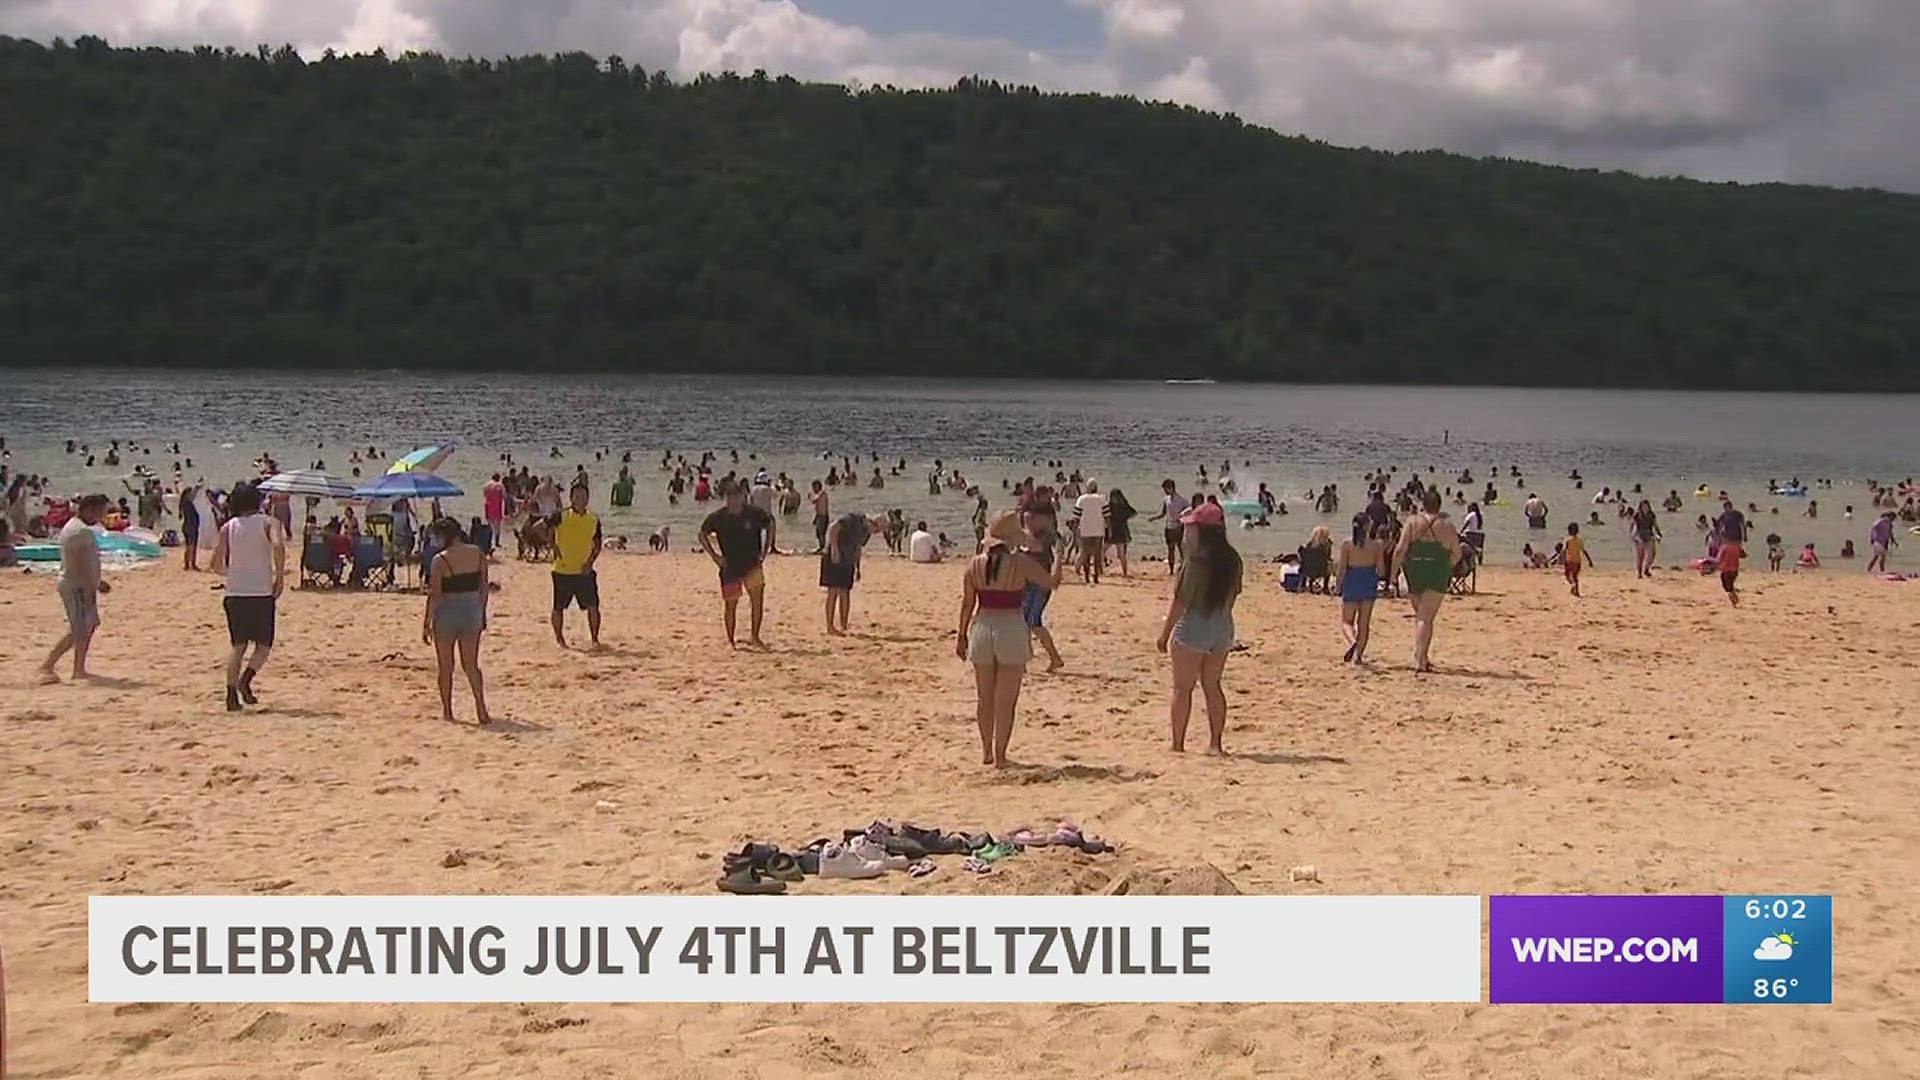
1466, 573
1316, 569
371, 567
317, 567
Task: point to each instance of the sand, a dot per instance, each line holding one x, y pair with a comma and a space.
1642, 739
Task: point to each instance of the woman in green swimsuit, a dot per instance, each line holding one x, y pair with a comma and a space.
1429, 546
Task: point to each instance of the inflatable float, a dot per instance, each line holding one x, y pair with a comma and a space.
1791, 492
1241, 506
133, 543
1702, 493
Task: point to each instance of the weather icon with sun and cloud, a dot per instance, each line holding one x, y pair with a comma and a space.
1775, 947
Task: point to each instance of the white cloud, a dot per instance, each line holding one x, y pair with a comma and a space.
1773, 949
1809, 90
1191, 85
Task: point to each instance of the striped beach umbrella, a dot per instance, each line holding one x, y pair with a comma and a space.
425, 459
312, 482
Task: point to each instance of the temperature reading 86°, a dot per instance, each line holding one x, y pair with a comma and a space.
1773, 988
1782, 908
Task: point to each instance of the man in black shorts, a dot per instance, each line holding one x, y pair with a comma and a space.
577, 542
251, 552
840, 564
1172, 505
738, 537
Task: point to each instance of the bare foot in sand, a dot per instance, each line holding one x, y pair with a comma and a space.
48, 678
1216, 750
1055, 665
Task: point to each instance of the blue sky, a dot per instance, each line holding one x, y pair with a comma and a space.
1053, 25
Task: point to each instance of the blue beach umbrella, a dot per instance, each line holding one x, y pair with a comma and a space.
409, 485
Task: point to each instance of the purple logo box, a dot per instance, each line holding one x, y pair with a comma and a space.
1599, 950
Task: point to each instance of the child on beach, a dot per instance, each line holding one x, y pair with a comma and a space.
1559, 557
1727, 559
1808, 559
1776, 554
1572, 553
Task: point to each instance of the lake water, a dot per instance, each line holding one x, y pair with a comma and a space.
1127, 434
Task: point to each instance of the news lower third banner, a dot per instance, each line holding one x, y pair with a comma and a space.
811, 949
1536, 949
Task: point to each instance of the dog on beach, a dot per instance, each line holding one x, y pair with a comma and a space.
534, 541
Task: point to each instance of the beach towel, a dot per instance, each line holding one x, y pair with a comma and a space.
209, 524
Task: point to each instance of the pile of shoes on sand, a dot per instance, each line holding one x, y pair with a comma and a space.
766, 869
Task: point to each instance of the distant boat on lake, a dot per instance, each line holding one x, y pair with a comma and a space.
1189, 382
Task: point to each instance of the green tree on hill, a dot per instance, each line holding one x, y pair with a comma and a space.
215, 206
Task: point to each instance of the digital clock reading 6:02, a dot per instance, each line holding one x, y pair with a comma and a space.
1779, 950
1780, 907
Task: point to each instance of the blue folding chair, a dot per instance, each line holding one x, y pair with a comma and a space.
371, 568
316, 565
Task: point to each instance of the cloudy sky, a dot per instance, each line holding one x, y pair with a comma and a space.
1817, 91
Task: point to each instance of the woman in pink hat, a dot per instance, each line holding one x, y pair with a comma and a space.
1198, 631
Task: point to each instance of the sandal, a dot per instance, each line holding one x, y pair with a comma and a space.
936, 842
784, 867
996, 852
901, 845
754, 854
746, 881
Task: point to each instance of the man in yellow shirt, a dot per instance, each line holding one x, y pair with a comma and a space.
576, 547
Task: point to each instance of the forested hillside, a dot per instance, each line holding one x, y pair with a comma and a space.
213, 207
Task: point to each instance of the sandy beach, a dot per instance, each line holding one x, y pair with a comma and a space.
1644, 738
